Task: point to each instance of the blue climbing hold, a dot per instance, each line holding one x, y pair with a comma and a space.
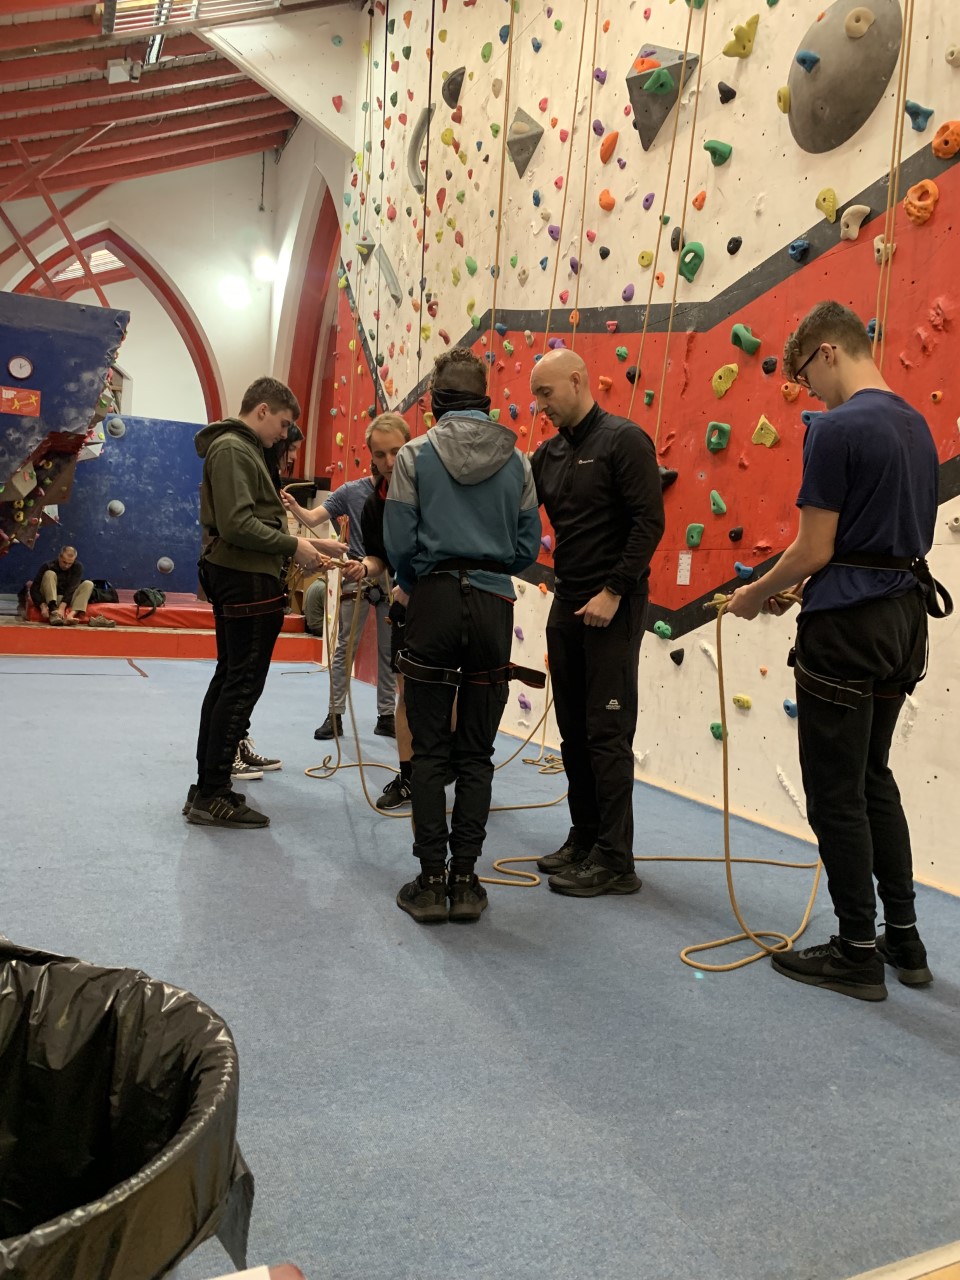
537, 44
799, 250
919, 116
544, 263
501, 328
490, 357
743, 570
872, 329
536, 199
504, 34
790, 707
807, 60
808, 415
514, 411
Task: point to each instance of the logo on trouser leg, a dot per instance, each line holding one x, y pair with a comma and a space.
614, 705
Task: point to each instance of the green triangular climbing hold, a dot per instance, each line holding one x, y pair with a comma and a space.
661, 81
742, 336
717, 504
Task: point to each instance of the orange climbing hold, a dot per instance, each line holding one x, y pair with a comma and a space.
543, 588
936, 396
646, 64
921, 201
661, 279
605, 383
608, 201
574, 318
946, 144
699, 200
608, 146
790, 391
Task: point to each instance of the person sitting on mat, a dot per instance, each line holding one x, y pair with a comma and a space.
60, 591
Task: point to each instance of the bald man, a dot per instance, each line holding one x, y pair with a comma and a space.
599, 483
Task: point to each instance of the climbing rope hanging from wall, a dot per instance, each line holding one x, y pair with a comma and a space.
586, 178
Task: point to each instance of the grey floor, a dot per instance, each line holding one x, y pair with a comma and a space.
549, 1094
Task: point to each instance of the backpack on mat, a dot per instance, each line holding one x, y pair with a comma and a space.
149, 599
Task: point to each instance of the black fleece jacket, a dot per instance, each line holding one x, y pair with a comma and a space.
599, 483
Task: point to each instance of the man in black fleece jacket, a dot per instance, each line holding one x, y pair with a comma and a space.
599, 483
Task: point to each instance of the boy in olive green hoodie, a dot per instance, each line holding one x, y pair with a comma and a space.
246, 527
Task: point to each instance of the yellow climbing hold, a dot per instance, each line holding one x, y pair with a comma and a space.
743, 701
426, 332
455, 275
646, 258
783, 99
447, 137
340, 439
352, 344
827, 203
741, 46
724, 379
471, 306
766, 433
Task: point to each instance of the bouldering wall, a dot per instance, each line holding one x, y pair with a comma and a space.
134, 513
668, 189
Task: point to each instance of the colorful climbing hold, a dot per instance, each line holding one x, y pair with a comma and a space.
716, 728
827, 203
798, 250
946, 142
920, 202
486, 53
694, 535
741, 46
807, 59
742, 701
765, 433
719, 152
783, 99
744, 571
717, 504
919, 116
724, 379
790, 707
742, 336
608, 147
663, 630
691, 260
607, 201
628, 293
718, 436
790, 391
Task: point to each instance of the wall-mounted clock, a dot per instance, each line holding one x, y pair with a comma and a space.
20, 367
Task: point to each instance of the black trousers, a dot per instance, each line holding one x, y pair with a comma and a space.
853, 803
594, 675
455, 629
244, 648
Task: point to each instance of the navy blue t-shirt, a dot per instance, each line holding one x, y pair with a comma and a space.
874, 461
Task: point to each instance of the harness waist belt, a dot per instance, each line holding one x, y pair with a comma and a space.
255, 609
445, 675
934, 592
466, 566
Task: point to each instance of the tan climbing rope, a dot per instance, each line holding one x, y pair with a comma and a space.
586, 176
504, 132
893, 190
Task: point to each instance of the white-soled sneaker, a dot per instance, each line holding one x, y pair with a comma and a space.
244, 771
249, 757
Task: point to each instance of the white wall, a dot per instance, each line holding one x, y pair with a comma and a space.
164, 380
199, 226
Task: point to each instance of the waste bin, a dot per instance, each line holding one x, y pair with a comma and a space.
118, 1113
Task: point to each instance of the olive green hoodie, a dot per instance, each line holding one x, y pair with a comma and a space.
239, 507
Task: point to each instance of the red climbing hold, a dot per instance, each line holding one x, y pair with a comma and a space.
338, 103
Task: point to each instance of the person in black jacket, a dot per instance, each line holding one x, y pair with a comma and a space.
59, 589
599, 483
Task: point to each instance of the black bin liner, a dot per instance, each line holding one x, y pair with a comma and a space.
118, 1113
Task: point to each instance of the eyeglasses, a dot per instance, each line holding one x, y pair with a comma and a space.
800, 376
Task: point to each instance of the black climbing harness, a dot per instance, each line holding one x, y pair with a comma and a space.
933, 591
445, 675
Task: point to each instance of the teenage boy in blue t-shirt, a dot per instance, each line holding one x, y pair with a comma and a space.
868, 494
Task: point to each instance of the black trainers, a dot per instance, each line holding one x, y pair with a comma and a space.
396, 793
588, 879
227, 809
829, 966
266, 764
192, 795
908, 958
325, 732
468, 898
386, 727
425, 899
568, 855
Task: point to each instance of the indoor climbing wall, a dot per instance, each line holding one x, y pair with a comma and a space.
667, 189
54, 361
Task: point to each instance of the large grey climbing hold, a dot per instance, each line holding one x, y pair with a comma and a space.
828, 108
389, 275
115, 427
852, 220
415, 173
651, 110
115, 507
523, 139
453, 86
165, 565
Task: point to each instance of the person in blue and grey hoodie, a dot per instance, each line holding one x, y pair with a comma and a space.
461, 518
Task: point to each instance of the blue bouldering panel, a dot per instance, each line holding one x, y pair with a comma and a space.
135, 506
54, 358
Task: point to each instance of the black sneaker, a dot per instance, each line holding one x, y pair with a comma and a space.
192, 795
226, 810
386, 727
829, 966
588, 879
425, 899
908, 958
396, 793
266, 764
568, 855
325, 732
468, 898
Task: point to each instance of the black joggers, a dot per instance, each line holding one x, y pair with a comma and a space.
248, 612
853, 803
594, 675
453, 628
